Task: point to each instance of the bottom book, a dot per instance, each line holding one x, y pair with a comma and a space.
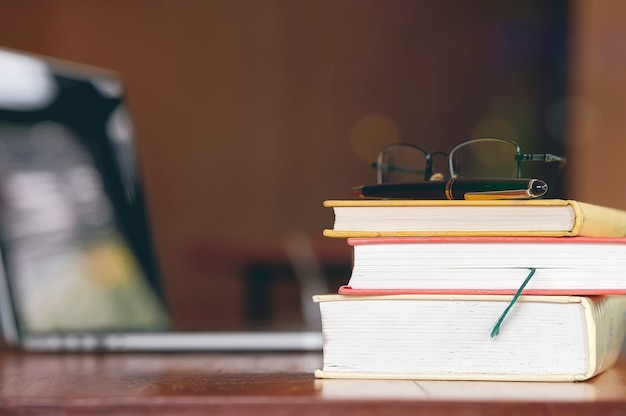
449, 337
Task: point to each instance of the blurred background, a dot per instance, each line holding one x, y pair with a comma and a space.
248, 114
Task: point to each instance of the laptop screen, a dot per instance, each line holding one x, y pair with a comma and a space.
74, 234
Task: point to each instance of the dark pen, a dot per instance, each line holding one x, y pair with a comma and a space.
458, 188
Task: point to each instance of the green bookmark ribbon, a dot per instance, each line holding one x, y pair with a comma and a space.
496, 327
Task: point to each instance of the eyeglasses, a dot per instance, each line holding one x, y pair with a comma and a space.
483, 157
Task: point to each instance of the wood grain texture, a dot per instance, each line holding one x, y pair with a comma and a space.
264, 384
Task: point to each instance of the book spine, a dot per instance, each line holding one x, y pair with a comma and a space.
606, 325
597, 221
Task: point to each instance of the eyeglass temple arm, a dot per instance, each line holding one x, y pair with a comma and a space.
544, 157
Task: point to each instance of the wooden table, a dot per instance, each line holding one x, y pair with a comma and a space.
270, 384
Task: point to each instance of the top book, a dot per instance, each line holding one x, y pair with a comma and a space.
534, 217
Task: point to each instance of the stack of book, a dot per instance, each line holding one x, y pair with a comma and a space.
531, 290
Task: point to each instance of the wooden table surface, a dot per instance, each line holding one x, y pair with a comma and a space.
270, 384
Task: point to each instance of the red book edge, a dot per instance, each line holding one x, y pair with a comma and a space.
485, 239
349, 290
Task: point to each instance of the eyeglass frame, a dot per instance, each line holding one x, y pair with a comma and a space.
519, 156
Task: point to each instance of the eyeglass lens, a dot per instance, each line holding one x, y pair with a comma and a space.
402, 163
484, 158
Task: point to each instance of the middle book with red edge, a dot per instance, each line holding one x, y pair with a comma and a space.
488, 265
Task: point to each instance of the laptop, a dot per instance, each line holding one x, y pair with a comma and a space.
78, 270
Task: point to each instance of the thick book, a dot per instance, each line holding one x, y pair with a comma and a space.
496, 265
536, 217
448, 337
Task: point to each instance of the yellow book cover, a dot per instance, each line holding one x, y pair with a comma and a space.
534, 217
448, 337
